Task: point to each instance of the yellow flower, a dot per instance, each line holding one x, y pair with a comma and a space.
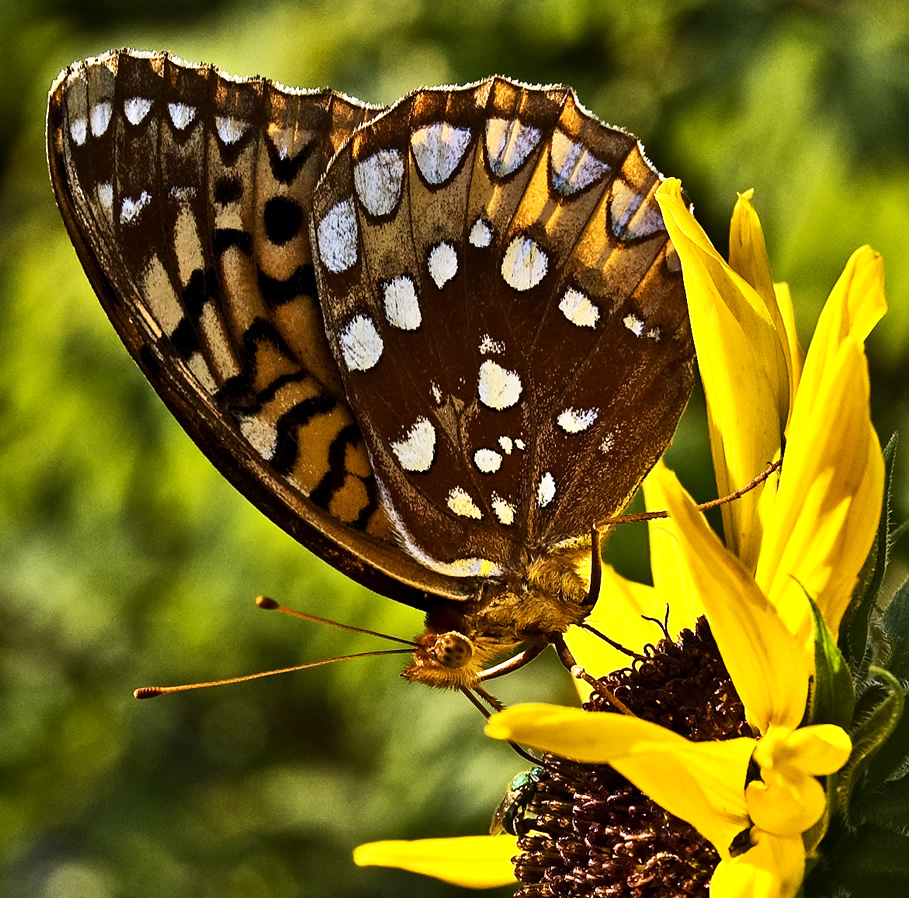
704, 783
806, 533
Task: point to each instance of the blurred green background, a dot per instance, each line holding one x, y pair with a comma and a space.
126, 560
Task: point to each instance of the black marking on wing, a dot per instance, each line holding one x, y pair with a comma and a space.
276, 292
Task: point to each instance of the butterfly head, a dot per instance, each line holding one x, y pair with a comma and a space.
446, 660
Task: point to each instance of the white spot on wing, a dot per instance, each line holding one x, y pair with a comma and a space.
337, 237
607, 444
488, 461
574, 420
629, 217
461, 504
525, 263
417, 450
634, 324
504, 510
520, 445
438, 149
230, 129
181, 114
578, 309
442, 263
499, 388
106, 195
130, 208
199, 367
260, 435
507, 444
100, 118
402, 308
461, 567
361, 344
136, 108
573, 166
436, 393
654, 334
508, 144
546, 490
378, 179
488, 346
480, 234
78, 129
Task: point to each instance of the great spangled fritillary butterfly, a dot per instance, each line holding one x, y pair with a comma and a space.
435, 343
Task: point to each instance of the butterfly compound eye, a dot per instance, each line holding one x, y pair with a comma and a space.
453, 650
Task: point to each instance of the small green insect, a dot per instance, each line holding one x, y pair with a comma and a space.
510, 814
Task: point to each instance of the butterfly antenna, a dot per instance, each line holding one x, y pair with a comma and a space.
155, 691
271, 605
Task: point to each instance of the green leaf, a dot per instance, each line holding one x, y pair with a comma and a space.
855, 629
832, 698
878, 712
872, 862
889, 807
895, 623
892, 760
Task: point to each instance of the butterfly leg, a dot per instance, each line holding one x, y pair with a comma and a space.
596, 568
578, 672
513, 663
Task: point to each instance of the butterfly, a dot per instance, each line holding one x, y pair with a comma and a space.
434, 342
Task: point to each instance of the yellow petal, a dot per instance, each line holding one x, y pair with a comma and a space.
472, 862
823, 522
788, 799
740, 354
819, 749
748, 257
700, 782
748, 251
671, 577
768, 665
824, 519
854, 307
785, 802
773, 867
796, 355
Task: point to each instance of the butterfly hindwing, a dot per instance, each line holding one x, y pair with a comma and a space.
187, 195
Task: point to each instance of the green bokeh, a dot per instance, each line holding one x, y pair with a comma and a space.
126, 560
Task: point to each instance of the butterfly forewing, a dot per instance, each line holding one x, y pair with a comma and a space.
507, 315
187, 195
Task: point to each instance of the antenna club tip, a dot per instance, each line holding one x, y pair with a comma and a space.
147, 692
266, 603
